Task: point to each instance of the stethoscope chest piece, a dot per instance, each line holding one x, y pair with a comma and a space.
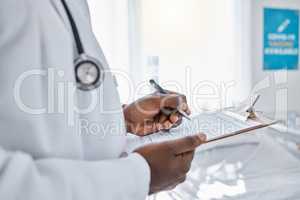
89, 72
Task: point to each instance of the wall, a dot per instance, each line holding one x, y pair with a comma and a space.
110, 25
283, 91
205, 36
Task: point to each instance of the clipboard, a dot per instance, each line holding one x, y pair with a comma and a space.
240, 132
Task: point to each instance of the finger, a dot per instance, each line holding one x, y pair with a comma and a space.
171, 101
162, 118
187, 144
167, 125
148, 127
144, 130
164, 123
170, 122
185, 108
181, 104
181, 97
178, 123
174, 118
158, 126
175, 101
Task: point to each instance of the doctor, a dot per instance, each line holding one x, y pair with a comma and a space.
48, 54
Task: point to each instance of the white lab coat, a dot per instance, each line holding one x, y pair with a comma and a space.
42, 154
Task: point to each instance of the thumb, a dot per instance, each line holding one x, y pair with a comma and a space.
188, 144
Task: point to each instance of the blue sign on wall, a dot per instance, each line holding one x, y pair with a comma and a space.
281, 39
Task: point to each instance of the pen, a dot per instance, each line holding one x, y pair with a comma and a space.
256, 100
157, 87
251, 109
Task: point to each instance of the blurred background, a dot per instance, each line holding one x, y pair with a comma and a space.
214, 51
210, 48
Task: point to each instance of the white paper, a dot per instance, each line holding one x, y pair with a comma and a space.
211, 124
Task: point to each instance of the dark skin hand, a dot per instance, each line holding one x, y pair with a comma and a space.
170, 161
146, 116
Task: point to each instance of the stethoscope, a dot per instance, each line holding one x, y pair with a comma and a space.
89, 71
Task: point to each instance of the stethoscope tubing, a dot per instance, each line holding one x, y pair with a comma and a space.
75, 31
83, 59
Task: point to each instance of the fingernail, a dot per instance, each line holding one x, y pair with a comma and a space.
168, 126
176, 118
202, 137
159, 127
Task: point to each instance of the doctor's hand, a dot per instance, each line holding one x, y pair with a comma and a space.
146, 115
170, 161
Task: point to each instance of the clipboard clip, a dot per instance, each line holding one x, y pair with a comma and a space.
251, 112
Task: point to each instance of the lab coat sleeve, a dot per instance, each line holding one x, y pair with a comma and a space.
22, 177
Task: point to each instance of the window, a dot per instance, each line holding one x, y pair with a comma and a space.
196, 47
199, 48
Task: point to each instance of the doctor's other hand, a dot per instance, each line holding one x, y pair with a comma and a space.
170, 161
148, 115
